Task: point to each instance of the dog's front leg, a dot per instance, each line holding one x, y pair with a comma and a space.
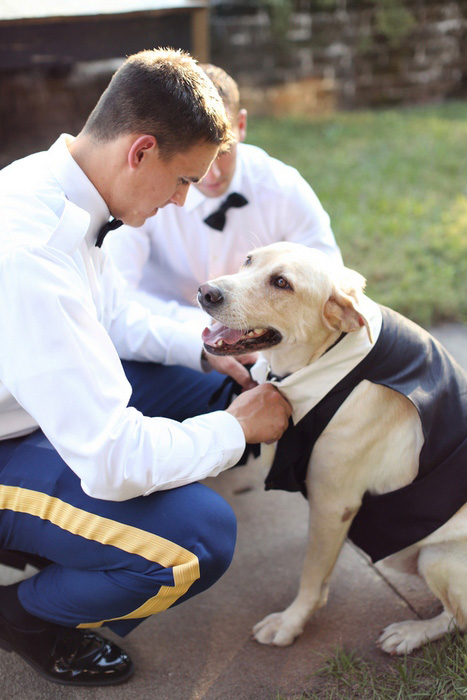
329, 523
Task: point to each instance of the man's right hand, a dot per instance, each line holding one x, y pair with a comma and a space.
262, 412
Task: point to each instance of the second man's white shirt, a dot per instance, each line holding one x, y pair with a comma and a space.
167, 259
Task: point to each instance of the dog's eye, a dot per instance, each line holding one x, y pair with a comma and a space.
281, 283
247, 261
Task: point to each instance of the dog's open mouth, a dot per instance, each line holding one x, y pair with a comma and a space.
221, 340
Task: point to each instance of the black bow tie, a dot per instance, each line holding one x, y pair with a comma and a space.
109, 226
218, 218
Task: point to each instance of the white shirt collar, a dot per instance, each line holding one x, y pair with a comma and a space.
77, 187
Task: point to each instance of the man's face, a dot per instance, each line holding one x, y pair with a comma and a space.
153, 181
219, 176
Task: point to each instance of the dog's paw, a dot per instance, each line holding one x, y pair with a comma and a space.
276, 629
400, 638
403, 637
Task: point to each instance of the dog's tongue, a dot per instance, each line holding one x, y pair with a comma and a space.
217, 331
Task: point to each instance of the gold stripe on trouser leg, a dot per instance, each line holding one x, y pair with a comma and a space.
185, 564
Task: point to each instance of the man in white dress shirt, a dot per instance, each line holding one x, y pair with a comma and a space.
171, 255
93, 480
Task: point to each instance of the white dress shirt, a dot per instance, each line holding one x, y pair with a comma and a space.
174, 252
66, 320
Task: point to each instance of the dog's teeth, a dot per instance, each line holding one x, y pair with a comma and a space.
220, 343
255, 333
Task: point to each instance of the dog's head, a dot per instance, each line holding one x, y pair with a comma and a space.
288, 300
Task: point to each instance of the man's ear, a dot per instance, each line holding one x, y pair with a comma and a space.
242, 120
341, 312
139, 149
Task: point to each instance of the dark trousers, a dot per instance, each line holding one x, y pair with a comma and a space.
115, 563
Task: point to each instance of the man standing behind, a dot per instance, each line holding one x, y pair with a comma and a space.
247, 199
92, 478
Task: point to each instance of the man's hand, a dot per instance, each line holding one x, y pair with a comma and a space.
233, 366
262, 412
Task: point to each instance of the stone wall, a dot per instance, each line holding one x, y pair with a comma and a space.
311, 56
36, 105
289, 56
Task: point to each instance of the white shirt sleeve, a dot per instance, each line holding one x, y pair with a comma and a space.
139, 334
130, 250
61, 365
171, 309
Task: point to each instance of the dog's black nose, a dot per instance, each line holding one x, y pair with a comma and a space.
208, 295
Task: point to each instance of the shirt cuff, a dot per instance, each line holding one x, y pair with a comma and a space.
234, 436
233, 439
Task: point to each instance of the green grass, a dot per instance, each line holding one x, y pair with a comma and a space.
394, 183
437, 672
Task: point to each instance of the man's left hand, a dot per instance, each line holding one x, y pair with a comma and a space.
233, 366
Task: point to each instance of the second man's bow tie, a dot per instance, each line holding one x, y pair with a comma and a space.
218, 218
109, 226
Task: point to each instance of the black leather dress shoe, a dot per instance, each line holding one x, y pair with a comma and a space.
67, 655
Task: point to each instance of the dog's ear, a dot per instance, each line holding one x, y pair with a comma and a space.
342, 312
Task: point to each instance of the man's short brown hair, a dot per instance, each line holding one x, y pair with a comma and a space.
165, 93
225, 86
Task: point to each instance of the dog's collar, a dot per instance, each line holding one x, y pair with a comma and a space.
342, 335
307, 386
276, 378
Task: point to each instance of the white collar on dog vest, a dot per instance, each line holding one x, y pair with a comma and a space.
306, 387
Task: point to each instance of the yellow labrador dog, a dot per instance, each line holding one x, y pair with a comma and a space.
378, 442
